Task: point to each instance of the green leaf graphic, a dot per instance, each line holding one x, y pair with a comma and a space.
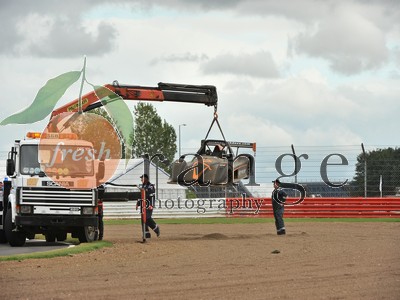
45, 100
119, 112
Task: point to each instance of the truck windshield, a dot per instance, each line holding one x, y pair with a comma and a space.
29, 163
68, 160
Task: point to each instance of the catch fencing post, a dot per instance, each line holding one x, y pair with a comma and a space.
365, 171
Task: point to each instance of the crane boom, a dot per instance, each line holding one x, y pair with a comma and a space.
184, 93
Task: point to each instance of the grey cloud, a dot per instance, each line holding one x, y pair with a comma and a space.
185, 57
184, 5
378, 108
344, 43
9, 36
384, 14
258, 64
349, 42
303, 10
209, 4
394, 75
396, 56
68, 39
67, 35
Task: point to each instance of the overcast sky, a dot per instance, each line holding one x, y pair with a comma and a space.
287, 72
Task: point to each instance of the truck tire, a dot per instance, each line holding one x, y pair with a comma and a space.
61, 236
101, 229
30, 236
15, 238
3, 238
87, 234
50, 237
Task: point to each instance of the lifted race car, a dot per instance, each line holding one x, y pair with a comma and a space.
214, 164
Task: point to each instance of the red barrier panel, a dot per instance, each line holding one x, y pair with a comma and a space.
317, 208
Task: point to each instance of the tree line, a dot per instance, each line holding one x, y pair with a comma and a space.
380, 163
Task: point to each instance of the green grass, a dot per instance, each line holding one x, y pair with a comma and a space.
246, 220
85, 247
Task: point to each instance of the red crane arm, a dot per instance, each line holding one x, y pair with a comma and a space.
203, 94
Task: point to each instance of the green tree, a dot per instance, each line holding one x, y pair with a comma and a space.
385, 162
152, 135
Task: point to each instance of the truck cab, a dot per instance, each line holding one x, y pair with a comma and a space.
49, 196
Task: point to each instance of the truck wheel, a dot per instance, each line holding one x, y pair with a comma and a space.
15, 238
50, 237
30, 236
96, 235
87, 234
101, 229
3, 238
61, 236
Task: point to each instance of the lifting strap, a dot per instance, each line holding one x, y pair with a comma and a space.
215, 120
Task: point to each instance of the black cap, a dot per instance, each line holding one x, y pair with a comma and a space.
145, 176
276, 181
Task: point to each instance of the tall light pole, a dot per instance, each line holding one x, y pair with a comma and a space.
180, 138
163, 160
295, 167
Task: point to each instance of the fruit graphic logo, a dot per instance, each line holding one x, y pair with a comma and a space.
77, 149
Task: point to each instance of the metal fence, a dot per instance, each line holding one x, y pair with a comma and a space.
324, 171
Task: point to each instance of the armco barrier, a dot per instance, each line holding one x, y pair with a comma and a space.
261, 207
318, 208
185, 208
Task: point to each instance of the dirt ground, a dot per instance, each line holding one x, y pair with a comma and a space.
230, 261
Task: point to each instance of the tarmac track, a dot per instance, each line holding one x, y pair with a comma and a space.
32, 246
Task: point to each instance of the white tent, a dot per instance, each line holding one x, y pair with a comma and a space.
129, 175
